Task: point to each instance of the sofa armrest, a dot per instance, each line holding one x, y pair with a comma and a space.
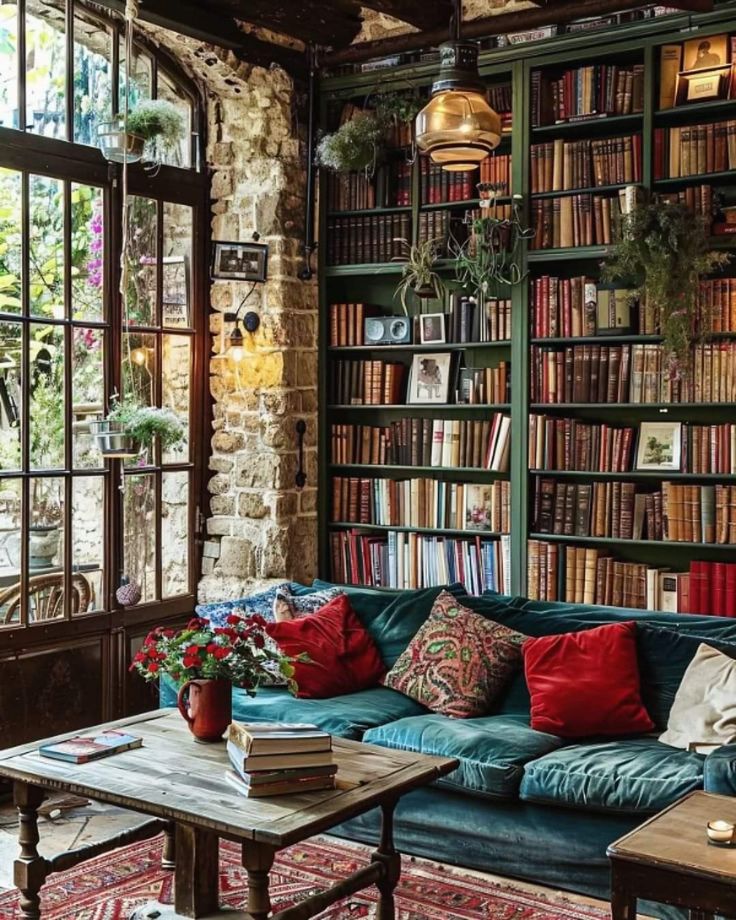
719, 770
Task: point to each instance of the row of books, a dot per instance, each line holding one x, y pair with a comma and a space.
698, 198
347, 322
694, 150
574, 444
587, 575
718, 305
389, 187
574, 220
484, 385
367, 238
437, 186
435, 225
279, 758
436, 442
421, 503
582, 92
411, 560
471, 321
631, 374
679, 512
368, 383
560, 165
496, 170
500, 98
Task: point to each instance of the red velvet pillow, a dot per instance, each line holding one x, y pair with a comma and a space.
586, 683
342, 656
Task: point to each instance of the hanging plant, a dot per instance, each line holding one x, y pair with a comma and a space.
129, 428
664, 246
356, 146
397, 108
157, 121
419, 272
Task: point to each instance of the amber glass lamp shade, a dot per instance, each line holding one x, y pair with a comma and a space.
458, 129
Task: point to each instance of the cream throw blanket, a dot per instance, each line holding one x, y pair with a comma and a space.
704, 710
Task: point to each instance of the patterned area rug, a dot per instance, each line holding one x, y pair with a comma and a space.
110, 887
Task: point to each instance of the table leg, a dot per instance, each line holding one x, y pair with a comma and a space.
391, 860
196, 879
257, 861
623, 903
168, 853
29, 869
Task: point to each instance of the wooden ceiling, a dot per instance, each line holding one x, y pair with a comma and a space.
332, 25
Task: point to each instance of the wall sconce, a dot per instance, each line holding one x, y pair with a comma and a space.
236, 339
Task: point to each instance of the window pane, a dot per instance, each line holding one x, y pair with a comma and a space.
175, 388
141, 262
47, 397
46, 271
9, 117
88, 395
11, 395
87, 269
140, 79
46, 551
177, 259
175, 533
88, 542
92, 78
10, 239
140, 532
10, 522
45, 74
168, 90
139, 368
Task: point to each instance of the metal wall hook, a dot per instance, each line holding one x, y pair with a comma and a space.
301, 477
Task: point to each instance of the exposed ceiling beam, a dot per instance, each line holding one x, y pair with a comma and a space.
334, 24
424, 14
557, 13
213, 29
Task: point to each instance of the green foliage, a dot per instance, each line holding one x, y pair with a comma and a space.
355, 146
144, 423
419, 272
397, 107
664, 247
157, 119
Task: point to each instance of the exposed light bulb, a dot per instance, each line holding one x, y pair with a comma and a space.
138, 356
236, 353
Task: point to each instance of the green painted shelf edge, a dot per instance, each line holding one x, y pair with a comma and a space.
425, 531
619, 541
438, 346
656, 475
435, 470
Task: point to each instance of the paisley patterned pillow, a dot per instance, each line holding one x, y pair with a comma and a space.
288, 606
458, 662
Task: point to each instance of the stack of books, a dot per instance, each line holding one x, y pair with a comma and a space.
279, 758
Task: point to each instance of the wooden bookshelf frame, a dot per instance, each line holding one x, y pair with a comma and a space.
637, 40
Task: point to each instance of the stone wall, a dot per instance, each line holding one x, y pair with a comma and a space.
259, 526
378, 25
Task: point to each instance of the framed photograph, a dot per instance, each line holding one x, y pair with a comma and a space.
175, 293
429, 379
432, 329
239, 261
659, 446
705, 53
478, 507
703, 86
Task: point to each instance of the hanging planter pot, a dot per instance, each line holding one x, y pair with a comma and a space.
113, 439
117, 144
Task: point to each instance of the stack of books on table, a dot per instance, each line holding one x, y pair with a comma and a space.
279, 758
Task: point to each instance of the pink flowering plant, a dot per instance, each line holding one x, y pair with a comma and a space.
240, 651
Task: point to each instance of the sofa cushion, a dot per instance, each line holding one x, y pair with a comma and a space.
459, 662
492, 750
290, 606
347, 716
340, 655
632, 775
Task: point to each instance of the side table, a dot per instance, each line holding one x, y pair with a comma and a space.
668, 859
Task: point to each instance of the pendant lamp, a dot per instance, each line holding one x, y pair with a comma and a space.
457, 127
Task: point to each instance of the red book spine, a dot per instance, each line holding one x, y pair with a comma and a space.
730, 593
718, 589
696, 575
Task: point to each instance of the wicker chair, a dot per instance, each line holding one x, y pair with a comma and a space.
46, 597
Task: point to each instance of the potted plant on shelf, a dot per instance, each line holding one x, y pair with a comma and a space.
154, 122
207, 661
419, 273
130, 428
664, 246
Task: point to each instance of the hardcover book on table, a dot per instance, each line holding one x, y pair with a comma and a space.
84, 748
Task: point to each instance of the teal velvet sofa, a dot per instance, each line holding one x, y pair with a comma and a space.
521, 803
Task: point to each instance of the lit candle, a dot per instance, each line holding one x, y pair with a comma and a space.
721, 831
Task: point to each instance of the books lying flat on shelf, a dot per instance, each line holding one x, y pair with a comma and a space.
84, 748
411, 560
257, 738
249, 763
282, 787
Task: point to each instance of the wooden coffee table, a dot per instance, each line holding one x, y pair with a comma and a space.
182, 785
668, 859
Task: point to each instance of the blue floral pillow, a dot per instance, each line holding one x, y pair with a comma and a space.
289, 606
261, 603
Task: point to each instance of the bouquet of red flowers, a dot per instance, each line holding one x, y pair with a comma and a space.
241, 652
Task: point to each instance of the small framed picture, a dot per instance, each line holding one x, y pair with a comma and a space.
429, 379
239, 261
704, 85
706, 53
659, 446
432, 329
478, 507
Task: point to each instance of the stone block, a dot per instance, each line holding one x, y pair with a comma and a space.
221, 464
222, 505
308, 501
237, 557
211, 549
251, 505
227, 442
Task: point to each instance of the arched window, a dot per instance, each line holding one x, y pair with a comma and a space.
74, 524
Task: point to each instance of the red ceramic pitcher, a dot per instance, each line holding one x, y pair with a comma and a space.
207, 707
